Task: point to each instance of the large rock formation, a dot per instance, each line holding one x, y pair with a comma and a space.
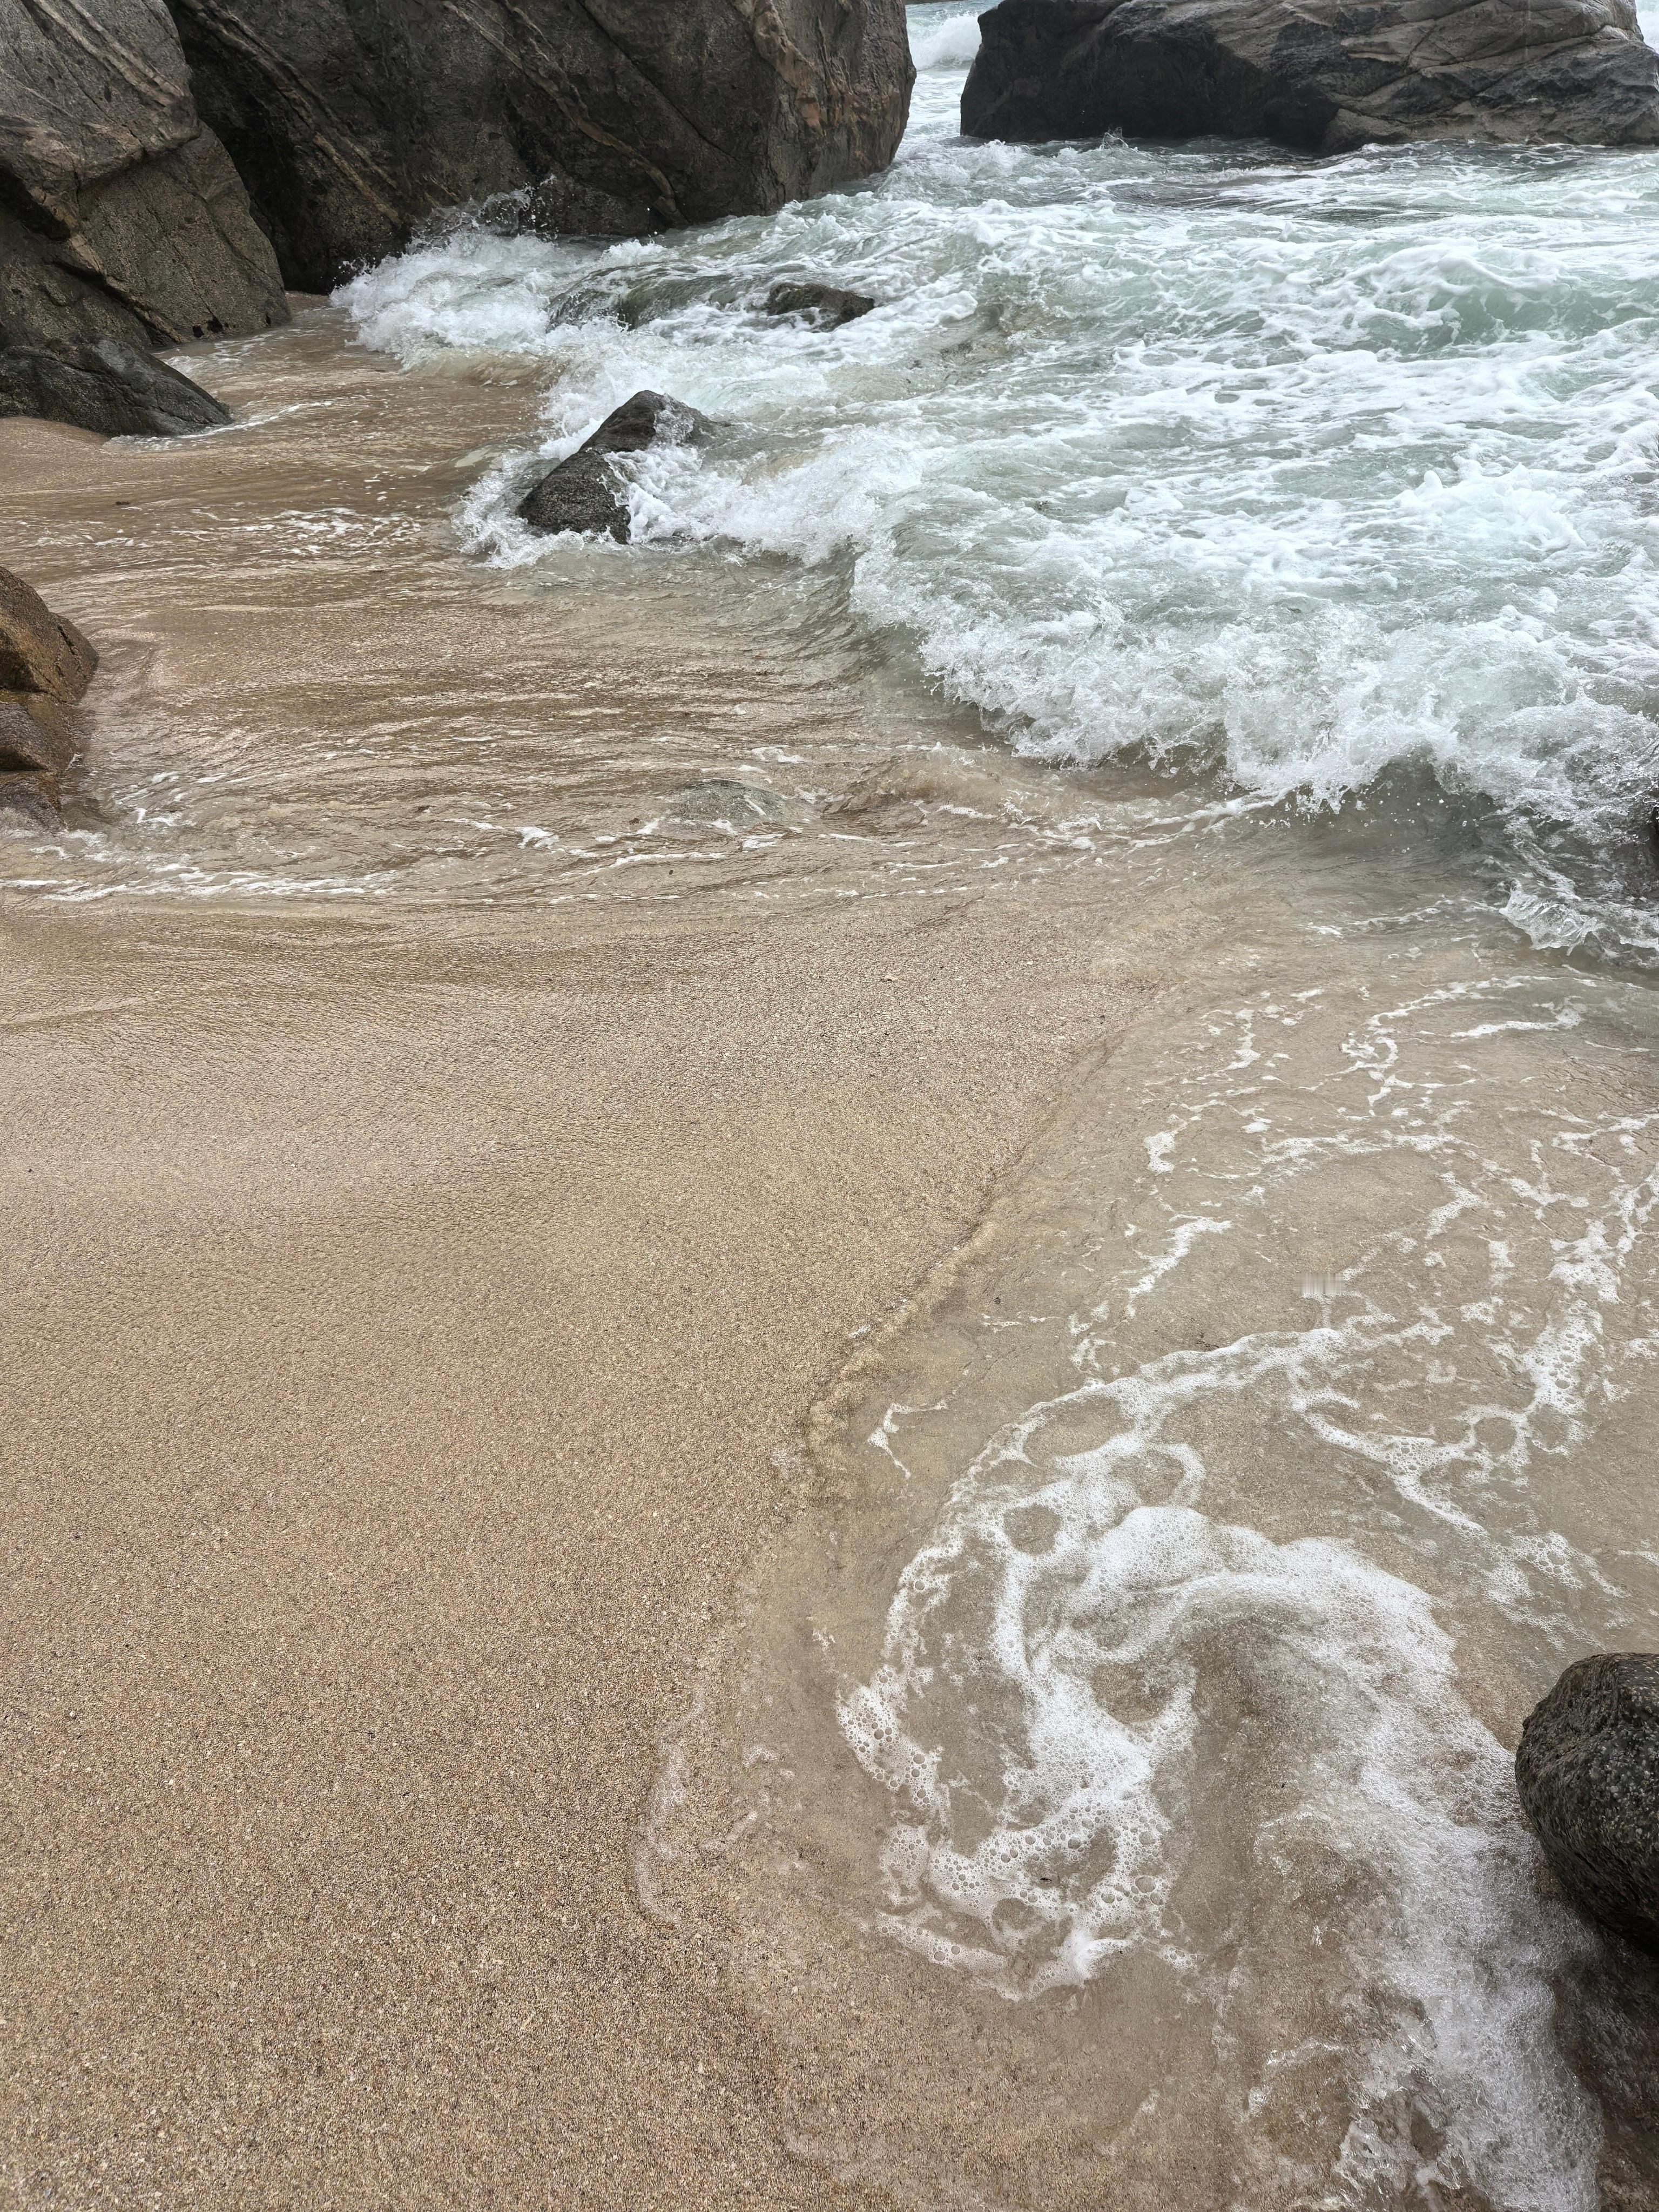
1326, 75
1587, 1770
120, 216
351, 121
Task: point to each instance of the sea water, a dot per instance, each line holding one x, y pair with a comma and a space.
1298, 471
1289, 1441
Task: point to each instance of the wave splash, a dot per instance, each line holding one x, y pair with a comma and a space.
1298, 471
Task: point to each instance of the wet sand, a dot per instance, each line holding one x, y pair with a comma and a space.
413, 1309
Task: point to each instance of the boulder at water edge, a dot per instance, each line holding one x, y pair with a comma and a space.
584, 493
120, 216
45, 664
1587, 1770
108, 387
352, 121
1324, 74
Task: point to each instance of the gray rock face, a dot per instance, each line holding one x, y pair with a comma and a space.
351, 121
584, 493
31, 799
108, 387
120, 216
1324, 74
822, 304
1587, 1770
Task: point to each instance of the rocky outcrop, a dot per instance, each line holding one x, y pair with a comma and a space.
823, 304
584, 493
108, 387
45, 665
120, 216
351, 122
41, 653
1324, 74
1587, 1770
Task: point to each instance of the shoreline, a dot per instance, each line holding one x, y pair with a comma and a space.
544, 1100
412, 1307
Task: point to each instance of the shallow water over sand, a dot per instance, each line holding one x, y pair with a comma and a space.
1104, 1795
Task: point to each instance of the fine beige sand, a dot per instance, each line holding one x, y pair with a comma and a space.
411, 1313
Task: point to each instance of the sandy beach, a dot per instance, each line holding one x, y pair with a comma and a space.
414, 1315
818, 1330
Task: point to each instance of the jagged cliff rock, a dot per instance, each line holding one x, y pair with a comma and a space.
351, 122
121, 217
1326, 75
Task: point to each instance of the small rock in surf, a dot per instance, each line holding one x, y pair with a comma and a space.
1329, 76
822, 304
584, 494
1587, 1770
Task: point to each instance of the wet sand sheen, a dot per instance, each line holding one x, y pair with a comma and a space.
410, 1304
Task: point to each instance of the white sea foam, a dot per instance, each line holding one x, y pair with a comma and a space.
1367, 1812
1106, 1700
1303, 469
944, 38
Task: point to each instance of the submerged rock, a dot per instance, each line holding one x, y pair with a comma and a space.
353, 122
1587, 1770
108, 387
1324, 74
726, 804
820, 303
120, 216
584, 493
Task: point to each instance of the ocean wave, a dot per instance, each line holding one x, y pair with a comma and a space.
1298, 471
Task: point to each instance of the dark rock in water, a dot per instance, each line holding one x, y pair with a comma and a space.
31, 799
109, 387
120, 216
40, 653
1328, 75
352, 122
822, 303
584, 493
1587, 1770
648, 419
35, 733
